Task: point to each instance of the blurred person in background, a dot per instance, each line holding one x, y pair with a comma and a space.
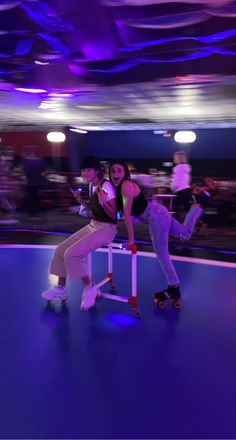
209, 189
34, 168
181, 183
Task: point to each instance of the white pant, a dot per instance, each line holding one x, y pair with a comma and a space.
69, 256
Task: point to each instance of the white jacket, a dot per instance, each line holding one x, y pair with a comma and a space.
181, 177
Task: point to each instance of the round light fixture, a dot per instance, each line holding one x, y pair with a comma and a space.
28, 90
185, 137
56, 136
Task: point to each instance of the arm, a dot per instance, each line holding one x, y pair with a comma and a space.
127, 192
77, 195
107, 200
110, 207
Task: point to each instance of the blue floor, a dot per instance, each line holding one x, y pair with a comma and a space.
104, 374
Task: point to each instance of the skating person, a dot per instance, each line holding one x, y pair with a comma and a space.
131, 201
69, 257
181, 183
204, 193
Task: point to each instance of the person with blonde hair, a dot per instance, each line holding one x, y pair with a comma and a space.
181, 183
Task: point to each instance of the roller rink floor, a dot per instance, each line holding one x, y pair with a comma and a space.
170, 374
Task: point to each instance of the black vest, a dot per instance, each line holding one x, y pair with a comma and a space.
98, 212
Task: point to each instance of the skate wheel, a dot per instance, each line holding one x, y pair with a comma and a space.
137, 313
161, 304
177, 304
112, 287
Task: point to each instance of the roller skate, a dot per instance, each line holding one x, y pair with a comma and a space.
55, 292
171, 294
89, 296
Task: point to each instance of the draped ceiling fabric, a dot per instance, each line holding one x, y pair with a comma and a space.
58, 44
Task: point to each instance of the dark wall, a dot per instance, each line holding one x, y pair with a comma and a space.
213, 153
144, 144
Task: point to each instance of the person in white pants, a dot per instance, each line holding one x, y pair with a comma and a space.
69, 257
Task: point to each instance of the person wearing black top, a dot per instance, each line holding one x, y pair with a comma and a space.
131, 201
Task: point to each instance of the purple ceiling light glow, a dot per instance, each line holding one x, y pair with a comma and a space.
61, 95
28, 90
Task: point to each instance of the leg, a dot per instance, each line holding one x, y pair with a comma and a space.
161, 225
184, 231
59, 268
187, 199
69, 258
33, 200
183, 199
159, 220
177, 204
99, 235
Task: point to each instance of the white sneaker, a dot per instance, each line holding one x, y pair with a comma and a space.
55, 292
89, 296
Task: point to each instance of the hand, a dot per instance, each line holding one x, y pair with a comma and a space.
102, 195
77, 195
127, 245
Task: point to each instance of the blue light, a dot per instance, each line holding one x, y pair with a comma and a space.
121, 320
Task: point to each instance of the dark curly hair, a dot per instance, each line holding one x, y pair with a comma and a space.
119, 199
123, 164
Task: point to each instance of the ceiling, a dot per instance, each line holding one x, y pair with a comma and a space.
117, 64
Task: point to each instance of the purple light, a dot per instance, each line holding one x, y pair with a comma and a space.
62, 95
26, 90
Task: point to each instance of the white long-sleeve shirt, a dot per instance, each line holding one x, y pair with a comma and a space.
181, 177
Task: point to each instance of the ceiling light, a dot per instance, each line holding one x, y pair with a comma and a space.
60, 95
27, 90
159, 132
185, 137
41, 63
78, 130
55, 116
56, 136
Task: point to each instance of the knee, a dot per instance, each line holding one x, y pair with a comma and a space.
162, 255
186, 235
58, 253
70, 254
